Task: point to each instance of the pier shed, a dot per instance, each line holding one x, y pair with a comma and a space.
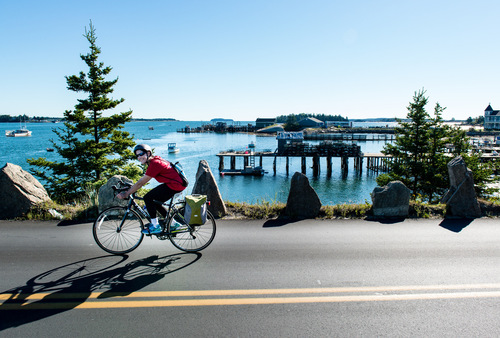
286, 139
264, 122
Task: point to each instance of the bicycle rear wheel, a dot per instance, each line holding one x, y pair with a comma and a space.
117, 230
192, 238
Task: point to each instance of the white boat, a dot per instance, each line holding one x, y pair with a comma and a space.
172, 148
21, 132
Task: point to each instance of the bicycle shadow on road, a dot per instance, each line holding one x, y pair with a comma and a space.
66, 287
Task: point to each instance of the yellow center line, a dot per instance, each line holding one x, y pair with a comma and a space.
92, 300
248, 301
241, 292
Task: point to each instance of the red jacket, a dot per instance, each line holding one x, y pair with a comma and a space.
163, 172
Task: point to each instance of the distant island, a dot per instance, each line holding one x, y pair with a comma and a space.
154, 119
221, 120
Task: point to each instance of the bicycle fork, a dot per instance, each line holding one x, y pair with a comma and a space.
119, 227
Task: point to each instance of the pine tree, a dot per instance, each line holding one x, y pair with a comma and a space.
422, 149
411, 145
93, 146
435, 170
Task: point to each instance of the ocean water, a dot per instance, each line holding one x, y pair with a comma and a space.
338, 189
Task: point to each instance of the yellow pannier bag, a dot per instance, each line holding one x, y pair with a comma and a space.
195, 212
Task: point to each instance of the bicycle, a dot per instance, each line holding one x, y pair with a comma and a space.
118, 230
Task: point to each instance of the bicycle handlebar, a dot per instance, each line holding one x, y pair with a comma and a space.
118, 190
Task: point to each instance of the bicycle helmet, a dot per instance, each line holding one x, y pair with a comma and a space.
143, 147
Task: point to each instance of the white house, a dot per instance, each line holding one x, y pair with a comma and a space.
491, 118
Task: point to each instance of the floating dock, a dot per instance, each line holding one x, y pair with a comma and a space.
247, 171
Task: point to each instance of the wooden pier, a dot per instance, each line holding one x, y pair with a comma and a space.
375, 162
290, 144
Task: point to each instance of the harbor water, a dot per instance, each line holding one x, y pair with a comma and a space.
337, 189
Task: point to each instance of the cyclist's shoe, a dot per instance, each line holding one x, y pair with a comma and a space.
152, 229
175, 226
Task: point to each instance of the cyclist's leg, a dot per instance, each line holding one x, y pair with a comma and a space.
160, 193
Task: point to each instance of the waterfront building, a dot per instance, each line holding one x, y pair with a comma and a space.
311, 122
491, 118
341, 124
264, 122
289, 138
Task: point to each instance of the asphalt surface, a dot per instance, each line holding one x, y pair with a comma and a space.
432, 278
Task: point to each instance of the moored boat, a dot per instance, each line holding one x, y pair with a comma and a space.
172, 148
23, 132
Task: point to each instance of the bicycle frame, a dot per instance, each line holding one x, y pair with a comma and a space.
170, 209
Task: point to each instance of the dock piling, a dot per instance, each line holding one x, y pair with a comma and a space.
221, 163
316, 166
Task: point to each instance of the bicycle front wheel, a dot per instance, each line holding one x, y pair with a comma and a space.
192, 238
117, 230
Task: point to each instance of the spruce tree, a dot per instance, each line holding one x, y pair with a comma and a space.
93, 146
411, 145
435, 170
422, 150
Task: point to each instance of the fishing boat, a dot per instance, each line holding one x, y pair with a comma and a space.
21, 132
172, 148
251, 144
18, 133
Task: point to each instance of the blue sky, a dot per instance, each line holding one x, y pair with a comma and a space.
243, 59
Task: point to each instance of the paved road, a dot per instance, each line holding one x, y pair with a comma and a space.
309, 278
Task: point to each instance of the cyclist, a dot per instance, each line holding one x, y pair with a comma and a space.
164, 173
